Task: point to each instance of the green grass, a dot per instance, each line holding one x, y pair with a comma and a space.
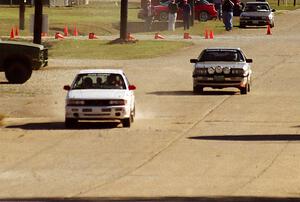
101, 18
283, 6
96, 49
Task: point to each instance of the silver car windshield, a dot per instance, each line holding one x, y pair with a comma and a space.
256, 7
99, 81
221, 55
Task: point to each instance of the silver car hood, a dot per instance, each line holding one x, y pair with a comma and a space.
256, 14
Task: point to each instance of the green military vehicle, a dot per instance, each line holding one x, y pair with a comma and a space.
18, 59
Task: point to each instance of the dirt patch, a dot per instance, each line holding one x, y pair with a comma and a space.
1, 119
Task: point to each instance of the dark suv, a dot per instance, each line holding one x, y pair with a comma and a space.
18, 59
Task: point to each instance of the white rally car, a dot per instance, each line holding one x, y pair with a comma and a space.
100, 94
220, 68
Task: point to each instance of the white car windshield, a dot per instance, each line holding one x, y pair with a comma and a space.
221, 55
99, 81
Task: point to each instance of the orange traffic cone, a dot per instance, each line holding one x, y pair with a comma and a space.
16, 31
130, 37
269, 30
66, 32
211, 34
158, 36
59, 36
75, 31
92, 36
186, 35
12, 33
206, 34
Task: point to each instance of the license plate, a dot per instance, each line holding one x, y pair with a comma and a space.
219, 78
86, 110
106, 110
255, 21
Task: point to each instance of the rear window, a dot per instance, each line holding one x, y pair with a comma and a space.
221, 55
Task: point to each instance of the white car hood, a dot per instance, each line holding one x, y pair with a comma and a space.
98, 94
256, 14
222, 64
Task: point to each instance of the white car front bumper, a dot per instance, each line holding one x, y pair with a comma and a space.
97, 113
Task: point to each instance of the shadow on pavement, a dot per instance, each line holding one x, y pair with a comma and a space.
190, 93
251, 27
165, 199
61, 126
4, 82
275, 137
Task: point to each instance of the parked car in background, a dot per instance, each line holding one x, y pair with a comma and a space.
221, 68
203, 11
257, 14
100, 94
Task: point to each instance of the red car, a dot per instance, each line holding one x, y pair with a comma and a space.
203, 11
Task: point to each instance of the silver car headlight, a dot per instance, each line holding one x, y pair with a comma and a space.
237, 71
226, 70
245, 17
211, 70
219, 69
75, 102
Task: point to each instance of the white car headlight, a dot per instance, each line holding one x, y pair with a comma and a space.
211, 70
117, 102
226, 70
75, 102
219, 69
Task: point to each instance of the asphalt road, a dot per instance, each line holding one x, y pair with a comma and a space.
220, 144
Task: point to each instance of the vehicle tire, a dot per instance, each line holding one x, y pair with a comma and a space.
198, 90
203, 16
244, 90
132, 115
163, 16
18, 72
242, 25
249, 87
272, 25
70, 123
126, 122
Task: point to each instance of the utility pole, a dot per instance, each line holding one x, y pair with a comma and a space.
193, 12
38, 20
123, 19
22, 15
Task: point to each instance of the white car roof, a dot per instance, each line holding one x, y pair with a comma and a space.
105, 71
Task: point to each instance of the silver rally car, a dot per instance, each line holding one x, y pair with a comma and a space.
221, 68
257, 14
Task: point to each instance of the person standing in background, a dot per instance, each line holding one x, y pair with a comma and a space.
218, 7
186, 12
173, 8
149, 17
227, 9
